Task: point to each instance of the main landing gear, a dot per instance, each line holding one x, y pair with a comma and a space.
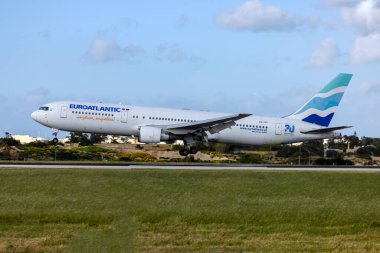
190, 141
186, 151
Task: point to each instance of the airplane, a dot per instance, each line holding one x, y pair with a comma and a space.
153, 125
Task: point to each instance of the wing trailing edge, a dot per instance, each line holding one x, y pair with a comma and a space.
212, 125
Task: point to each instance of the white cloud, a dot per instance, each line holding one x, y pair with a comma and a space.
170, 53
37, 95
197, 60
183, 21
340, 3
365, 16
310, 21
366, 49
254, 15
103, 50
133, 52
370, 87
325, 54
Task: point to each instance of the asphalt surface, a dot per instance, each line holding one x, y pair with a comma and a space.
192, 167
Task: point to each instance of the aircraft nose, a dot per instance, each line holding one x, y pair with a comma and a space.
34, 115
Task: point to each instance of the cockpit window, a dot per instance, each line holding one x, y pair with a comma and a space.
44, 108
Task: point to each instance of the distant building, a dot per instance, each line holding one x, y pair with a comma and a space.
120, 139
65, 140
26, 139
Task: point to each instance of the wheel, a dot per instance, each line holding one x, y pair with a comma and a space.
183, 151
193, 150
55, 141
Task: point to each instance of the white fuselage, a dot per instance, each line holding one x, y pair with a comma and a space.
127, 120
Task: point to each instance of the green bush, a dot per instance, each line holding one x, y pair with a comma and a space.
76, 153
92, 149
10, 141
176, 147
368, 151
287, 151
137, 157
250, 158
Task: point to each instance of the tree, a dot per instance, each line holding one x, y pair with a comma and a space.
97, 138
9, 140
287, 151
75, 137
85, 141
353, 140
367, 151
365, 141
81, 138
315, 147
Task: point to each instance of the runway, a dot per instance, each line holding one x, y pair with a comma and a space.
192, 167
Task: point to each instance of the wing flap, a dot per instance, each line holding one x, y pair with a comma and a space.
212, 125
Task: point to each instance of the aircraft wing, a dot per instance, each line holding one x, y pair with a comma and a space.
213, 125
325, 130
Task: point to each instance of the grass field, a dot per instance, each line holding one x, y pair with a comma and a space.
44, 210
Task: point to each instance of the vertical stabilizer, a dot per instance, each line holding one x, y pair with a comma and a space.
321, 108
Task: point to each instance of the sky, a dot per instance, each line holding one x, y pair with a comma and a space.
263, 57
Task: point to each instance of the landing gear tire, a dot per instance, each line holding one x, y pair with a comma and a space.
184, 151
193, 150
55, 141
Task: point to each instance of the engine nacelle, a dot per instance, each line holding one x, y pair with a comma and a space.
149, 134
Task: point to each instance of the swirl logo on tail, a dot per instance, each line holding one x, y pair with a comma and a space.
321, 108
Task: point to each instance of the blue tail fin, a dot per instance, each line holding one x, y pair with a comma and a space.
321, 108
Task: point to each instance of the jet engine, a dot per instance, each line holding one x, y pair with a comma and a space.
149, 134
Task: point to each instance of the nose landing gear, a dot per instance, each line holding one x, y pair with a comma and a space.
55, 139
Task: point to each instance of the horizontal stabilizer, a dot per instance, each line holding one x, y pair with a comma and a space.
325, 130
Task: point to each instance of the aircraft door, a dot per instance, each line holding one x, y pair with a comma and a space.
278, 128
124, 115
64, 112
